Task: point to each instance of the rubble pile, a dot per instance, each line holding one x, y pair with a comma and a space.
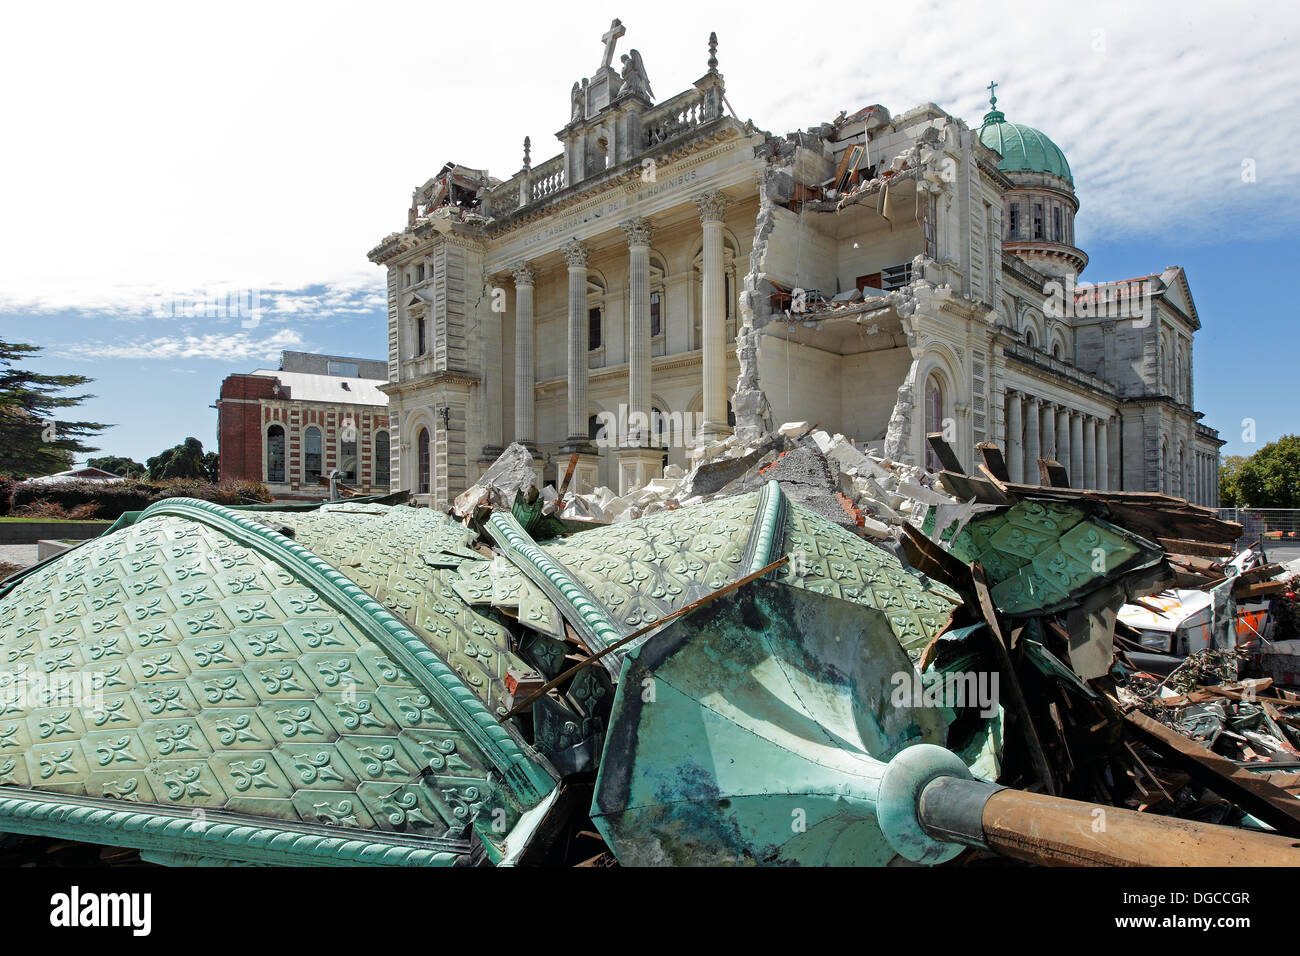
830, 474
933, 667
1124, 684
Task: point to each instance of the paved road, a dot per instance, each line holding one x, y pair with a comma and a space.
1282, 553
20, 554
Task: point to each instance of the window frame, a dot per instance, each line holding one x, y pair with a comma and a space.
269, 478
308, 478
385, 459
423, 457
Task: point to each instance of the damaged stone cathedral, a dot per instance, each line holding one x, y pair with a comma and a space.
676, 274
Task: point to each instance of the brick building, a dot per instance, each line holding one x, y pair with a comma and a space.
290, 427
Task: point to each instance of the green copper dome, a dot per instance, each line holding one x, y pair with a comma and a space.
1023, 148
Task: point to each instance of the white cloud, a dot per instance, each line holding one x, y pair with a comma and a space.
156, 148
227, 347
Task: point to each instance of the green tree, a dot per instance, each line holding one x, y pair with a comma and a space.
180, 461
126, 467
31, 441
1270, 478
212, 467
1229, 494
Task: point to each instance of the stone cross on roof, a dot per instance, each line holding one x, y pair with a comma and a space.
616, 30
993, 100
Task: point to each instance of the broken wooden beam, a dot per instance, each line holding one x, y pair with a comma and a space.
1052, 473
994, 465
1255, 795
943, 451
1018, 705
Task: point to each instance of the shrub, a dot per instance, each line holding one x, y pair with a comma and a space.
43, 508
225, 493
111, 499
6, 492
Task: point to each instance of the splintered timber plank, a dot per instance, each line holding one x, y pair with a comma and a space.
1203, 549
934, 560
1052, 473
995, 465
1253, 793
967, 487
943, 451
1017, 698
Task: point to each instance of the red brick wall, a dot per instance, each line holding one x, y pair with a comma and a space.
241, 425
239, 419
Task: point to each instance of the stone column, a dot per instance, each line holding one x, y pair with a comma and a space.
1103, 455
525, 383
640, 462
714, 321
575, 254
1076, 451
1015, 448
1032, 429
1063, 441
1047, 440
638, 333
1090, 452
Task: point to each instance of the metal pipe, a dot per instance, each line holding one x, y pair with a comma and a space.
1060, 832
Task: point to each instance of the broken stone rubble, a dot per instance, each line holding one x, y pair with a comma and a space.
854, 488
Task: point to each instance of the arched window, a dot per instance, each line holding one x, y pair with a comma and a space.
1056, 351
934, 405
730, 289
275, 455
348, 452
1030, 339
311, 460
422, 446
596, 314
381, 460
658, 299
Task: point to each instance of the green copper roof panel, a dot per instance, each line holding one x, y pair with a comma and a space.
198, 667
831, 560
1023, 148
405, 558
644, 570
1042, 556
755, 730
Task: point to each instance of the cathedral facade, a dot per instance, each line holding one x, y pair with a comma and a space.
676, 275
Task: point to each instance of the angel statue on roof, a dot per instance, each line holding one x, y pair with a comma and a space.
634, 75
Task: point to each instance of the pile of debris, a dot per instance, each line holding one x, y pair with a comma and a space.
1120, 623
830, 474
913, 665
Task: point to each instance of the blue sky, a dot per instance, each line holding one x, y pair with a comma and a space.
168, 151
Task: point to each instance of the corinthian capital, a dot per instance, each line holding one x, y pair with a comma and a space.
523, 274
638, 231
575, 253
712, 205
